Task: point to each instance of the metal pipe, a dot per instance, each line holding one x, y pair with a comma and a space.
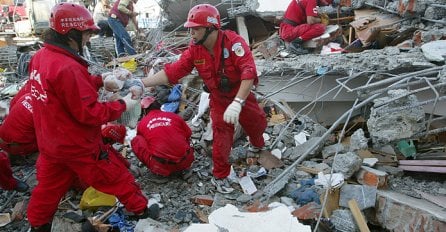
398, 86
406, 94
434, 21
438, 5
380, 7
269, 189
383, 111
428, 71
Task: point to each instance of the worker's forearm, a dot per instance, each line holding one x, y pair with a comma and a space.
313, 20
160, 78
123, 7
245, 89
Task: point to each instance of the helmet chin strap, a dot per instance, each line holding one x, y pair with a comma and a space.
205, 36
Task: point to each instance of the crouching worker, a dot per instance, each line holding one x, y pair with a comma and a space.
162, 142
17, 137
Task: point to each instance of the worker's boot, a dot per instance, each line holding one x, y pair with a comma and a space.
152, 212
296, 47
42, 228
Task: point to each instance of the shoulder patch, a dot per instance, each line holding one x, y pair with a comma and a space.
237, 48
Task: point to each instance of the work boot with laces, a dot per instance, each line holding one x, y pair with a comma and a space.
255, 149
296, 47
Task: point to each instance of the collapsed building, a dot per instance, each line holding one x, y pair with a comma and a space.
356, 135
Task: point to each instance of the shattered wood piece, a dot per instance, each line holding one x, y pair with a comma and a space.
313, 171
332, 203
277, 119
5, 219
256, 206
423, 162
357, 214
414, 168
203, 200
372, 177
18, 211
201, 215
268, 161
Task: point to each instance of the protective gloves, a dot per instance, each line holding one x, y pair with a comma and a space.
129, 102
325, 19
232, 113
114, 81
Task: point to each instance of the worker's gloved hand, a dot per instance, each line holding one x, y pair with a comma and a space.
112, 83
120, 73
325, 19
232, 113
129, 102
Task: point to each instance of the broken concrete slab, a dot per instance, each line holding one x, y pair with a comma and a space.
229, 218
150, 225
385, 127
347, 164
400, 212
435, 50
364, 195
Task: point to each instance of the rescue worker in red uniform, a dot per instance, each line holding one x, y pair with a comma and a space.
301, 22
68, 117
162, 142
17, 137
226, 65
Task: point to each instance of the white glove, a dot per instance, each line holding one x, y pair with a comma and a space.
129, 102
112, 83
232, 112
122, 73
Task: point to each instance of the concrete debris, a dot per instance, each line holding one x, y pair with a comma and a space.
435, 50
364, 195
343, 221
358, 141
229, 218
347, 164
387, 70
385, 128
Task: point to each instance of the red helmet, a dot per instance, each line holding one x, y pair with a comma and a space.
203, 15
67, 16
114, 132
147, 101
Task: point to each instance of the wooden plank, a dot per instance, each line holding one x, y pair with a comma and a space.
359, 218
423, 168
423, 162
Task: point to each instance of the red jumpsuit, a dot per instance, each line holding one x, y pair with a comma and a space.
238, 65
295, 25
17, 137
162, 143
68, 118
